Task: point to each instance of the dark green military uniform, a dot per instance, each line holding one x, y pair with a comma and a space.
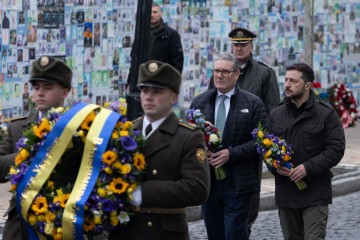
8, 152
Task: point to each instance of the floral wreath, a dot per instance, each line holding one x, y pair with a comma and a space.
109, 201
342, 99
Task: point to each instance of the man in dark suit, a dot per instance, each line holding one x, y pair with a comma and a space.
177, 171
51, 83
235, 113
257, 78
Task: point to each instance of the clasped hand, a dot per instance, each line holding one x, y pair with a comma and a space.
219, 158
296, 174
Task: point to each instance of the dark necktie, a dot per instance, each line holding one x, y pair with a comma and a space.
221, 114
148, 129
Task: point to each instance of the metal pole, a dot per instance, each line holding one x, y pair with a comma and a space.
309, 31
139, 55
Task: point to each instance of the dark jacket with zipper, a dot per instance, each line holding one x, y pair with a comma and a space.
318, 141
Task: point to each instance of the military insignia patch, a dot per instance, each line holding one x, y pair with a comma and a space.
44, 61
153, 67
200, 155
240, 33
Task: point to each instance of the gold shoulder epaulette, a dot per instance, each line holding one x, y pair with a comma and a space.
18, 118
190, 126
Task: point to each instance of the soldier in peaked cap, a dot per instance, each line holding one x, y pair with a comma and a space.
257, 78
178, 173
51, 81
241, 35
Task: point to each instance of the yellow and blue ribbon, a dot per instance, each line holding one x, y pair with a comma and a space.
95, 145
47, 157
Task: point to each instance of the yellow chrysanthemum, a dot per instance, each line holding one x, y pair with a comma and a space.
124, 133
115, 135
97, 219
86, 124
106, 105
49, 217
88, 226
119, 124
118, 186
32, 219
62, 199
267, 154
125, 168
127, 125
117, 165
114, 221
44, 127
12, 171
21, 157
267, 142
101, 192
286, 157
283, 148
41, 217
139, 161
108, 170
109, 157
275, 164
260, 134
122, 110
40, 205
50, 184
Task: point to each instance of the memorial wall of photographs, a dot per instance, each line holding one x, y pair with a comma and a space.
95, 38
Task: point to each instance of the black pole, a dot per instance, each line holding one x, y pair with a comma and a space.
139, 55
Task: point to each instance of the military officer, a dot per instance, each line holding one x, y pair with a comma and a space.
51, 82
177, 170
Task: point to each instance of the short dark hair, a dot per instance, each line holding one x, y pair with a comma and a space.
307, 72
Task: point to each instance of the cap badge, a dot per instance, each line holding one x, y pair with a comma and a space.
153, 67
240, 33
44, 61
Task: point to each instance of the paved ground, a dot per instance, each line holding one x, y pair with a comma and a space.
344, 218
343, 222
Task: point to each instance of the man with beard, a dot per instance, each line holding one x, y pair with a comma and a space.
165, 43
314, 130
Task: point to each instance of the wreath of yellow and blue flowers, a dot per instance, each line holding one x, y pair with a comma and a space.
109, 203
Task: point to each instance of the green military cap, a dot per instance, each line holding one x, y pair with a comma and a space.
49, 69
241, 35
156, 74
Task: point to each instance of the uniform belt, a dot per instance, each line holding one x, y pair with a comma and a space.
161, 210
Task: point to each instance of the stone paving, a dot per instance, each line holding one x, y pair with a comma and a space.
343, 222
